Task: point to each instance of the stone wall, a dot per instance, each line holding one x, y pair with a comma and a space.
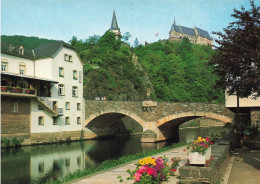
255, 117
15, 122
212, 174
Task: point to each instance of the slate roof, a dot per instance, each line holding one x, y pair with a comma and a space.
183, 29
203, 33
114, 25
43, 51
190, 31
49, 49
7, 48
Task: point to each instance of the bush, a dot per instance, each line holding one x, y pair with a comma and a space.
7, 143
16, 142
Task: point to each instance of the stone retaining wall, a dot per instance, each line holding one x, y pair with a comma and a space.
212, 174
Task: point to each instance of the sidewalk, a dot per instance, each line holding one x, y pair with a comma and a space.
110, 176
246, 166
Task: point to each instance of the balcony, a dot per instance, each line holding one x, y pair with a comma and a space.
16, 91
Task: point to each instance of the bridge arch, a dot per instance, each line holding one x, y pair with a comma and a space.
123, 112
196, 114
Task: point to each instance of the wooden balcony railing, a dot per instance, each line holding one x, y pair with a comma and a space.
16, 90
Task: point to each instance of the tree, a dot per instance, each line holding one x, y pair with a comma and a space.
238, 55
136, 43
126, 36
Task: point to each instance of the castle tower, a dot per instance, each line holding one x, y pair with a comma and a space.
114, 26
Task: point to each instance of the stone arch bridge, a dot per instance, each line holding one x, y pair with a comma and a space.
160, 120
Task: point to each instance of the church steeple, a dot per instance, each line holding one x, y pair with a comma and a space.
174, 21
114, 26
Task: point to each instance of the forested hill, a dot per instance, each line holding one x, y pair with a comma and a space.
179, 71
27, 42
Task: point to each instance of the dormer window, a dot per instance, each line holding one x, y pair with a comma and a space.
21, 50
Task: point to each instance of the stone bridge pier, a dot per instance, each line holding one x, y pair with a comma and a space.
160, 120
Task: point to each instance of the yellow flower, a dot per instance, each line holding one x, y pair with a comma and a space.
204, 139
199, 138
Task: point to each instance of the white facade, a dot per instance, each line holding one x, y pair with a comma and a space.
42, 120
231, 101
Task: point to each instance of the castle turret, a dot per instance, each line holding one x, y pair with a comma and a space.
114, 26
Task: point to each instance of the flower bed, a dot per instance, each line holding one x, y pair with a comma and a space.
152, 170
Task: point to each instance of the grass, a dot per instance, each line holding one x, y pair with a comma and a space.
112, 163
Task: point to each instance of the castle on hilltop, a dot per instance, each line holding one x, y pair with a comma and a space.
195, 35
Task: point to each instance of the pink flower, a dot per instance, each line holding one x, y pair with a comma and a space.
207, 139
155, 173
149, 171
211, 143
137, 176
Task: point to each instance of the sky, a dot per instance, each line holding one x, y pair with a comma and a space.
62, 19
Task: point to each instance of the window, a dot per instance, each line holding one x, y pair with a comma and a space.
70, 58
79, 160
41, 167
15, 105
67, 162
4, 67
67, 106
78, 120
61, 72
55, 120
61, 89
40, 107
66, 57
21, 50
79, 76
41, 120
67, 121
78, 107
74, 91
22, 68
75, 74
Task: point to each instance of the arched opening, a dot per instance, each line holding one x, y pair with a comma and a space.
169, 126
113, 124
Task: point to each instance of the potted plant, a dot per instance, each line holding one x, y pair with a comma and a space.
199, 151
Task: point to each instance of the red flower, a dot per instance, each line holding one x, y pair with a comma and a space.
174, 170
184, 149
207, 146
211, 143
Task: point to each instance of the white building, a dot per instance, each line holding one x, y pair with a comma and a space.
42, 91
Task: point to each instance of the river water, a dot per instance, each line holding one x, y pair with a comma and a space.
38, 164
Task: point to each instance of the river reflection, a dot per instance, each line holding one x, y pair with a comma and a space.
38, 164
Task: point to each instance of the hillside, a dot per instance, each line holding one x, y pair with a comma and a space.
179, 71
110, 68
28, 42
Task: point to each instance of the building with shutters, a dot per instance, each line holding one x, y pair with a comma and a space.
41, 92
